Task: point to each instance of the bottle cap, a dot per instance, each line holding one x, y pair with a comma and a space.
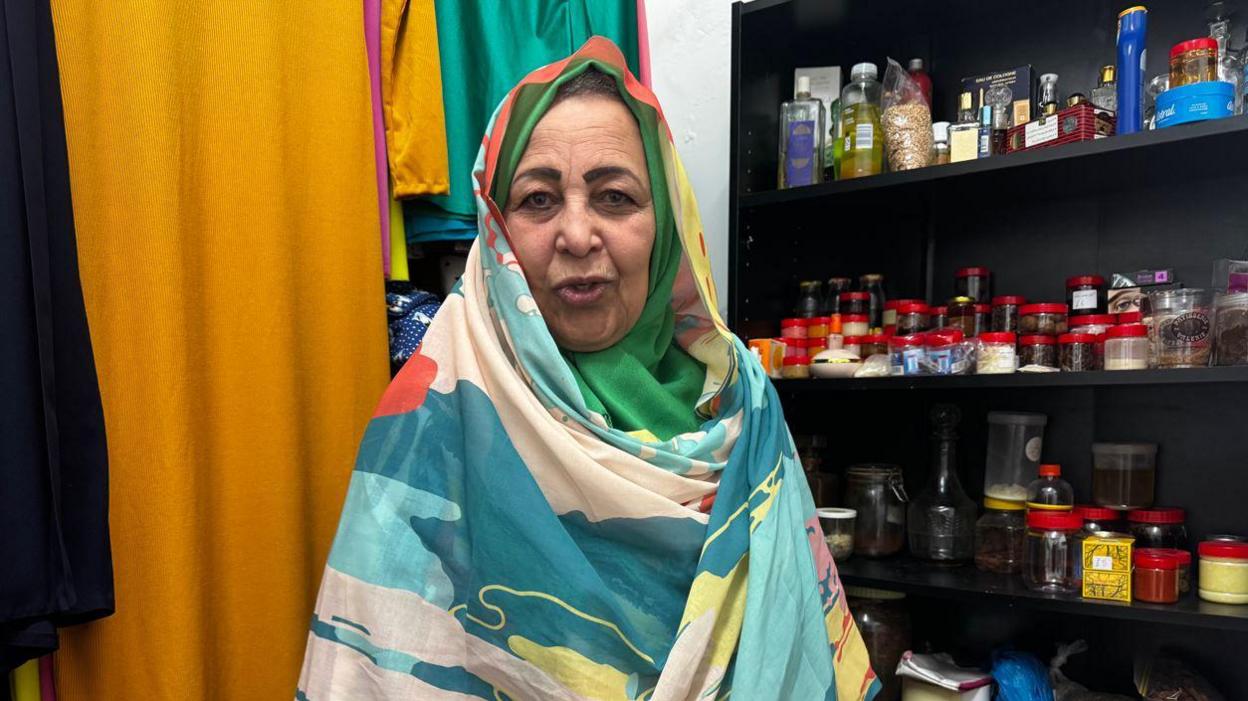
1003, 504
803, 85
1081, 280
1016, 300
973, 272
1128, 331
1043, 308
997, 337
1108, 73
1037, 340
1054, 520
1048, 78
1093, 320
906, 341
1068, 338
915, 64
1050, 470
964, 101
940, 131
863, 70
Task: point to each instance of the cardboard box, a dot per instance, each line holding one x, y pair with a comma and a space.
1107, 567
1079, 123
770, 353
1019, 82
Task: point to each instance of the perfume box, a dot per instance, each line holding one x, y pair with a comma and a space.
1016, 86
1079, 123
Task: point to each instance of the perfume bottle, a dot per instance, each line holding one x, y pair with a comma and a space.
1105, 94
940, 143
985, 132
964, 134
1049, 100
1230, 66
1000, 130
801, 138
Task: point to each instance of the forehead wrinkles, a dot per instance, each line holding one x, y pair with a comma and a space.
561, 139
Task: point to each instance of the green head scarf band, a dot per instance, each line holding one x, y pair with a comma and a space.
645, 382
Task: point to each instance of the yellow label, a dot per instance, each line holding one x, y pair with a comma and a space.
963, 145
1107, 568
1110, 586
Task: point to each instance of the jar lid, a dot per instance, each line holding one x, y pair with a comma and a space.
1183, 556
1227, 537
1037, 341
911, 307
1148, 449
797, 360
1076, 338
944, 337
906, 341
1131, 317
1094, 320
983, 308
850, 296
1156, 558
1024, 418
1218, 548
940, 311
836, 513
1081, 280
878, 469
1043, 308
997, 337
1054, 520
1127, 331
891, 303
792, 323
1097, 513
850, 318
1201, 44
1003, 504
821, 320
973, 272
1050, 470
853, 340
874, 338
1009, 299
1164, 515
960, 299
797, 342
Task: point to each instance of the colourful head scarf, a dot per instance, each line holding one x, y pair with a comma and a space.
502, 539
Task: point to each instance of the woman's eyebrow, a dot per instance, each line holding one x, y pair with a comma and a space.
610, 171
540, 173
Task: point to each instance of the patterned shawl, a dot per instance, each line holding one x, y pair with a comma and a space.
501, 541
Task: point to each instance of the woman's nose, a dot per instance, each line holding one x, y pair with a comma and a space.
578, 231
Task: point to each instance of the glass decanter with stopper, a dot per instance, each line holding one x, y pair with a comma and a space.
942, 516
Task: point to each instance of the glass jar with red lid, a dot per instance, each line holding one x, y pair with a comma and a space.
974, 282
1046, 318
794, 328
890, 313
1185, 568
1005, 312
983, 318
794, 347
912, 317
1224, 572
940, 317
1156, 576
1095, 324
796, 368
853, 344
855, 303
1078, 352
961, 315
1098, 519
1126, 347
1037, 351
855, 324
874, 344
1160, 527
1051, 558
1193, 61
1085, 294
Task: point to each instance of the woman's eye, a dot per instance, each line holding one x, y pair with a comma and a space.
616, 198
537, 200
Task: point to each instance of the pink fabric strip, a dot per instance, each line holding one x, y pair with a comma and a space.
47, 682
643, 44
372, 45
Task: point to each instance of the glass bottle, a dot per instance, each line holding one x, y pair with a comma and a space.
809, 300
1050, 492
942, 517
985, 132
940, 143
1000, 130
1230, 67
1049, 99
1105, 94
832, 294
801, 138
863, 147
874, 284
964, 134
834, 145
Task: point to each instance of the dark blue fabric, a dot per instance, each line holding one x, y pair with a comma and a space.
410, 314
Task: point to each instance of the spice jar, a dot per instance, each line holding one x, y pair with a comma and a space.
1048, 318
1179, 332
1230, 329
1098, 519
940, 317
1124, 474
884, 623
1185, 569
793, 328
838, 531
1085, 294
975, 283
794, 347
816, 345
874, 344
1000, 536
1005, 312
855, 303
818, 327
855, 324
1095, 324
1078, 352
1052, 551
1134, 316
911, 318
1038, 351
1126, 347
983, 318
1193, 61
1162, 527
906, 354
1156, 576
796, 368
960, 314
1224, 572
877, 494
853, 344
945, 353
996, 355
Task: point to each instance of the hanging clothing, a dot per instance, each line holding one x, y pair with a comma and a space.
372, 47
55, 564
501, 540
226, 207
411, 84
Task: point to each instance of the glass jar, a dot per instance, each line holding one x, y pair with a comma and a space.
912, 318
906, 354
874, 344
1085, 294
873, 285
1124, 474
996, 354
884, 623
960, 314
818, 327
1015, 439
855, 303
1185, 569
942, 517
1078, 352
940, 317
1193, 61
853, 344
1179, 328
838, 531
890, 317
794, 347
1224, 572
1098, 519
796, 368
1048, 318
1050, 492
832, 294
1054, 541
1230, 329
1095, 324
809, 299
1005, 312
793, 328
1162, 527
975, 283
878, 495
1000, 537
1040, 351
1126, 347
983, 318
1156, 576
855, 324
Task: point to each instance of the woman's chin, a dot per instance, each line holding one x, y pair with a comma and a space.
588, 337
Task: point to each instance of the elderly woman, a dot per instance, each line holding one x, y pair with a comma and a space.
582, 486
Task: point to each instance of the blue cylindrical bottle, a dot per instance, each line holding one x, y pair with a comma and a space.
1132, 25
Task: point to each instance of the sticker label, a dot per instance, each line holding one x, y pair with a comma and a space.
799, 163
864, 136
1187, 329
1083, 299
1033, 449
1036, 133
1102, 562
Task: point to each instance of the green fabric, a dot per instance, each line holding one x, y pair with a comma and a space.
645, 381
488, 46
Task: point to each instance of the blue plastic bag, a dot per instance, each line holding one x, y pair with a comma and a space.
1020, 677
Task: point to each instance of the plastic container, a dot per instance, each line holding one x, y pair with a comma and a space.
1085, 294
906, 354
1230, 329
983, 318
793, 328
1047, 318
855, 303
1001, 537
876, 492
1126, 347
1038, 351
794, 347
945, 353
960, 314
796, 368
819, 327
1162, 527
1098, 519
1156, 576
1193, 61
911, 318
1015, 441
1197, 102
1095, 324
863, 147
1052, 553
853, 344
855, 324
1180, 328
940, 317
996, 354
1050, 492
1224, 572
874, 344
1078, 352
1124, 474
884, 622
1005, 312
975, 283
838, 531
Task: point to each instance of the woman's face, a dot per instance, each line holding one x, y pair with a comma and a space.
581, 219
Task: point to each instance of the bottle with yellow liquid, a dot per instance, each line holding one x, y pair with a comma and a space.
863, 148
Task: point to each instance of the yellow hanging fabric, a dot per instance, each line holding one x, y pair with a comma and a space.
411, 96
398, 243
25, 681
221, 160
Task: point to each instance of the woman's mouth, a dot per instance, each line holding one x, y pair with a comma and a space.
581, 293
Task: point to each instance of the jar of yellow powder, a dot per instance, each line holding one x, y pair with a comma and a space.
1224, 572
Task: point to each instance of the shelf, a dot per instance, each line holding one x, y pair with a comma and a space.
966, 583
1102, 378
1129, 160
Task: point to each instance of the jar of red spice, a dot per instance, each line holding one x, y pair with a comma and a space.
1037, 350
793, 328
855, 303
1156, 576
1085, 294
975, 283
1005, 312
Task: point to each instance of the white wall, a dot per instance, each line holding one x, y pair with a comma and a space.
691, 59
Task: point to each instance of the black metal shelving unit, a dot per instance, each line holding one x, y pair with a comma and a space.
1174, 198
